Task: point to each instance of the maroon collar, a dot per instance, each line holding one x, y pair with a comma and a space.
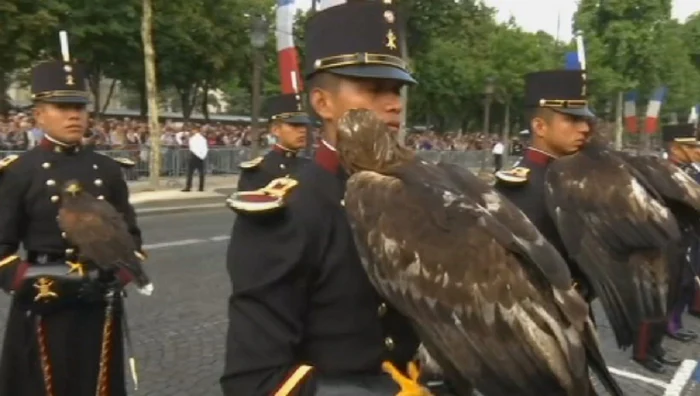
284, 151
327, 157
538, 157
50, 145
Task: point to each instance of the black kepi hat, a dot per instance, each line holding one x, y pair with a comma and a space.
59, 82
563, 91
287, 108
680, 133
357, 39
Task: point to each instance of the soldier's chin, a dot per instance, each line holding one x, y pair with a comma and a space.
73, 136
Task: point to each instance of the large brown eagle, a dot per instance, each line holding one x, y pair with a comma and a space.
100, 234
490, 298
616, 227
681, 195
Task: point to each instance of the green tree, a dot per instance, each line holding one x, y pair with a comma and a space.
202, 44
23, 26
105, 37
678, 71
622, 44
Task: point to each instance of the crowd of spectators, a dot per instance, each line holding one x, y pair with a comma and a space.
17, 132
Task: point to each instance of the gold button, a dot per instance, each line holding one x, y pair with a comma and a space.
63, 235
54, 198
46, 165
389, 343
70, 251
51, 182
94, 166
282, 166
100, 197
98, 182
381, 311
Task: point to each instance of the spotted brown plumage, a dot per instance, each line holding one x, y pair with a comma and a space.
101, 234
614, 224
491, 299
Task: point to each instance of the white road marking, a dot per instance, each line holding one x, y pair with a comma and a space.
638, 377
165, 245
674, 388
681, 378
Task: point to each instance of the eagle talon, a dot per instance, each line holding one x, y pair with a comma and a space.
409, 385
75, 267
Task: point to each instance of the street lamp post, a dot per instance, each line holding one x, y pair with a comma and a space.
489, 90
258, 37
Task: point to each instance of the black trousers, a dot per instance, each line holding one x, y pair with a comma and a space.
497, 161
198, 164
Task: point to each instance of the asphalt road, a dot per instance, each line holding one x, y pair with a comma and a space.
179, 332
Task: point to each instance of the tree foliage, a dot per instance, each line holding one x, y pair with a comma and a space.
454, 48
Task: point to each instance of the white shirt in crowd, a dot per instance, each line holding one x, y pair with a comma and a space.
199, 146
498, 149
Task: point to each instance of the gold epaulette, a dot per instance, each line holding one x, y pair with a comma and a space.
252, 163
266, 199
125, 162
516, 175
7, 161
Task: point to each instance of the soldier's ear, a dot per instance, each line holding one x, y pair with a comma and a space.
322, 103
38, 112
538, 126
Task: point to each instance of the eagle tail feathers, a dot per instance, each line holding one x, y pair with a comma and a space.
597, 362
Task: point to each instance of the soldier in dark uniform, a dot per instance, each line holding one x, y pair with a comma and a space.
560, 123
289, 123
684, 150
303, 317
63, 337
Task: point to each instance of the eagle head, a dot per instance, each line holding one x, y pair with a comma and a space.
72, 188
366, 143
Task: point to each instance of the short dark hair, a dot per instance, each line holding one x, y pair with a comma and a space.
322, 80
538, 112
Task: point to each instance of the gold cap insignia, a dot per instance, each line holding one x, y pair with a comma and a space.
391, 40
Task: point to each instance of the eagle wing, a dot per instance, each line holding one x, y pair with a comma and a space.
100, 233
681, 194
618, 234
442, 259
678, 189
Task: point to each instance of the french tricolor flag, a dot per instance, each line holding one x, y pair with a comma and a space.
629, 111
572, 62
287, 54
651, 123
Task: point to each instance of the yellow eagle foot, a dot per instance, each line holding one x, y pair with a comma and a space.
409, 385
76, 267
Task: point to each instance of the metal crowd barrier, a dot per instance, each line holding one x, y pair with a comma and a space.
225, 160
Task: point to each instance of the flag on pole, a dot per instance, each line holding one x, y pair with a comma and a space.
651, 123
629, 112
572, 62
287, 54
